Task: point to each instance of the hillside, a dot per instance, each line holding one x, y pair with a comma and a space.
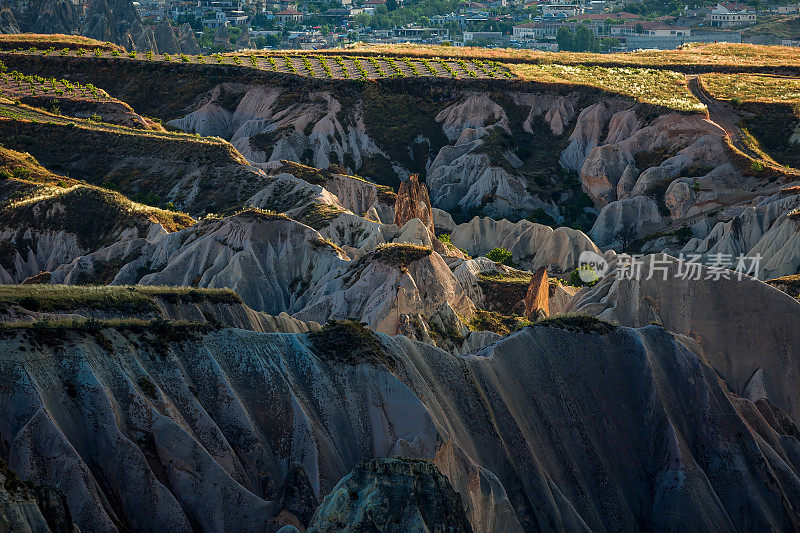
390, 289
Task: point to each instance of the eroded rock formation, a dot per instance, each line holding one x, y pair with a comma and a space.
392, 495
413, 202
537, 301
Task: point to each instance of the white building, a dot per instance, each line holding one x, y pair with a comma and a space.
731, 14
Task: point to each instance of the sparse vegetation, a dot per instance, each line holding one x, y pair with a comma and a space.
117, 302
495, 322
348, 342
500, 255
400, 255
577, 324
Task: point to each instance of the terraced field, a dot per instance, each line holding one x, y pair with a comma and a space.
15, 84
320, 66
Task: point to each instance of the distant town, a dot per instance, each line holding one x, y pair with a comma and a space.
551, 25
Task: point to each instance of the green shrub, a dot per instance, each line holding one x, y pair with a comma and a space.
757, 166
576, 281
500, 255
540, 216
445, 237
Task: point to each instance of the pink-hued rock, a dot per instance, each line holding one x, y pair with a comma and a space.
537, 301
413, 201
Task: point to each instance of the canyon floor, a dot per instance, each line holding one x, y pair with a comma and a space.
343, 290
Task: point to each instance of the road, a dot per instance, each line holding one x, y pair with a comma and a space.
723, 116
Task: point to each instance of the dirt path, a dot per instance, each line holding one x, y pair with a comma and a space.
722, 115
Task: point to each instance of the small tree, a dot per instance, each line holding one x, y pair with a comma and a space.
626, 235
500, 255
564, 38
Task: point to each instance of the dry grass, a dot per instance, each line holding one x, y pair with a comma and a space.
92, 213
131, 299
725, 55
752, 88
658, 87
56, 40
24, 166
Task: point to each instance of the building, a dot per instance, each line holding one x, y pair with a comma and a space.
652, 29
495, 36
731, 14
669, 42
567, 8
602, 23
371, 5
787, 9
288, 15
538, 30
416, 33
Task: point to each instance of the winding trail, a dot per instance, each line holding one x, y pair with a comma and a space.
723, 116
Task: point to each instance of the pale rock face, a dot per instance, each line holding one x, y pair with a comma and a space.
472, 112
556, 111
286, 193
210, 119
55, 248
257, 113
532, 245
763, 230
204, 431
663, 380
460, 177
380, 294
707, 151
718, 313
356, 233
269, 262
723, 186
640, 213
484, 497
560, 297
442, 220
693, 138
589, 127
622, 125
355, 195
207, 443
794, 138
627, 181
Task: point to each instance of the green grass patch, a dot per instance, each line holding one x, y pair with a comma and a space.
349, 342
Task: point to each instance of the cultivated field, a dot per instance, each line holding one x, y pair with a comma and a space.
343, 66
752, 88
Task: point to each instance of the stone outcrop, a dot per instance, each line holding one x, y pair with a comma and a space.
206, 425
50, 16
392, 495
413, 202
537, 301
740, 323
532, 245
187, 40
8, 23
640, 214
765, 230
166, 41
116, 21
29, 507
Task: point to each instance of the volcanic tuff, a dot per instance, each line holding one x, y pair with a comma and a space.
216, 420
321, 342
